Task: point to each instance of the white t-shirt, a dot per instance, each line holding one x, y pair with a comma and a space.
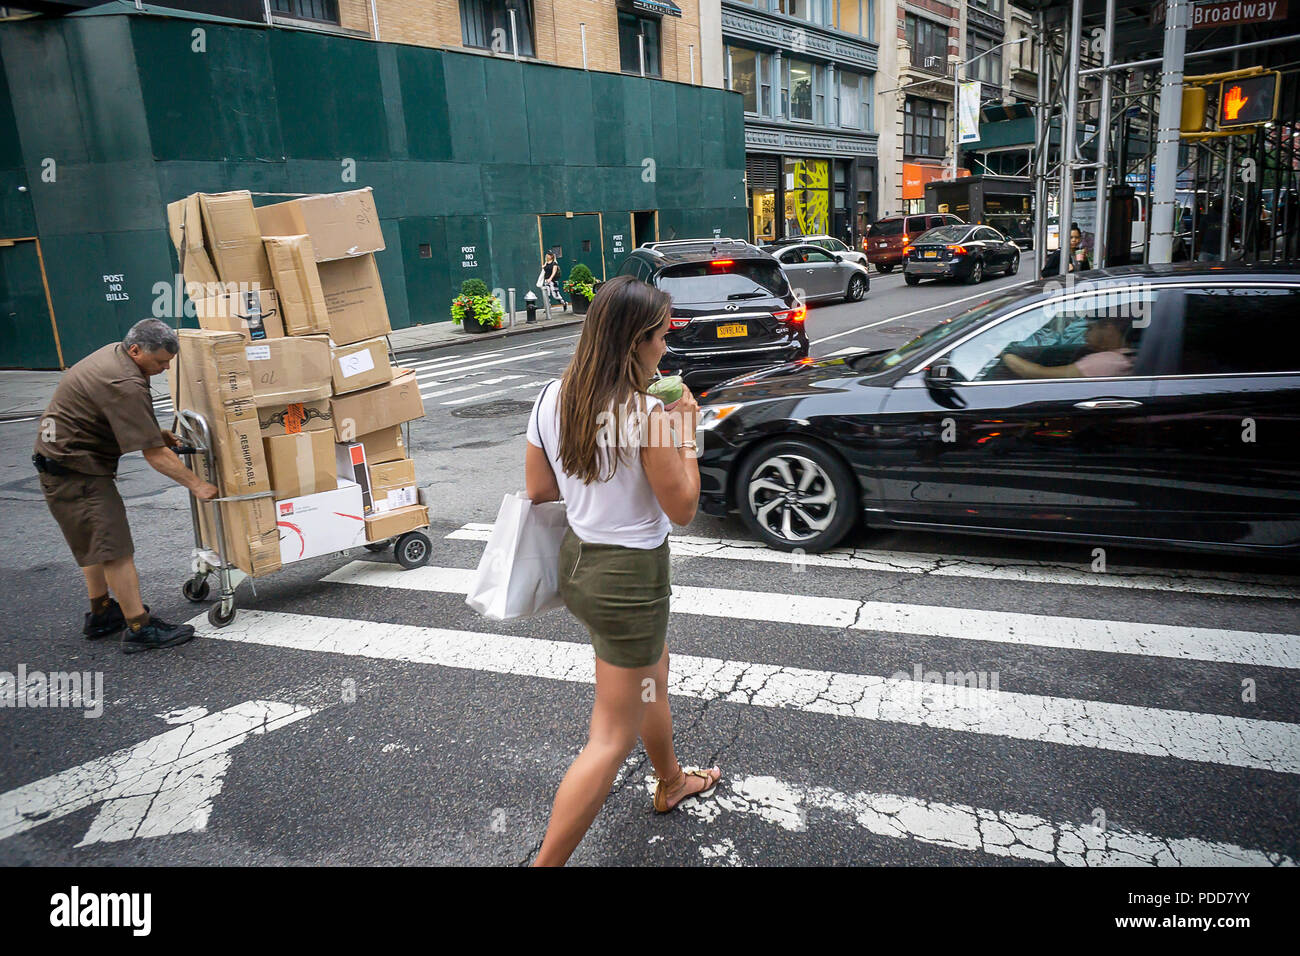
620, 510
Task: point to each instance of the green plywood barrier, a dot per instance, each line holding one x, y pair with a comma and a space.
26, 335
461, 150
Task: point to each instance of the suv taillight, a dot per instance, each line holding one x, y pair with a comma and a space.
676, 323
793, 315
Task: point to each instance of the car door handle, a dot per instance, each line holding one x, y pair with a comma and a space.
1109, 403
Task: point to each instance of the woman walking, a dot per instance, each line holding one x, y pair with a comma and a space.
600, 442
551, 279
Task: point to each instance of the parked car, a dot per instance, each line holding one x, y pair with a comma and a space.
1156, 406
886, 237
733, 310
829, 243
817, 274
961, 252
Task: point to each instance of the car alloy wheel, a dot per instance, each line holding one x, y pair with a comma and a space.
976, 273
1014, 267
856, 291
792, 497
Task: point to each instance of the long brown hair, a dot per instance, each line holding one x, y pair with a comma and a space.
604, 374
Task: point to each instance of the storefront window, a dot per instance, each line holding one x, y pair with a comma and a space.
764, 215
807, 196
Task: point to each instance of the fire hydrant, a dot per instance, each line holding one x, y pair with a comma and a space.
530, 305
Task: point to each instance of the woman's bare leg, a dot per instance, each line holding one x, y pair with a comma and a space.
615, 722
657, 735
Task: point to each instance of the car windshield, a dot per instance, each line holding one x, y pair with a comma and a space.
712, 282
944, 234
945, 329
888, 227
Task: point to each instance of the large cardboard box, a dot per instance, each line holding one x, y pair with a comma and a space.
361, 365
301, 464
359, 413
381, 526
234, 240
392, 485
340, 224
322, 523
293, 418
251, 540
298, 283
185, 224
386, 444
255, 315
292, 369
354, 298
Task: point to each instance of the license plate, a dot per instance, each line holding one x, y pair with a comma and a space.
736, 331
930, 254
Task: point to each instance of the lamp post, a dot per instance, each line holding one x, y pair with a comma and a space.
957, 64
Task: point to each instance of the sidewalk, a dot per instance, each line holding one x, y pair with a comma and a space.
25, 394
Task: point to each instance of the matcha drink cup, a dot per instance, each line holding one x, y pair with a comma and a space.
667, 389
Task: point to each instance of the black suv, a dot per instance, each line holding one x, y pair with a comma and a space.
733, 309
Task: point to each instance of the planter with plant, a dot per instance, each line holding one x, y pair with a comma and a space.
580, 288
476, 308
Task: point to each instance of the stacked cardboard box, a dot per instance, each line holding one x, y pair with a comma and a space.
326, 399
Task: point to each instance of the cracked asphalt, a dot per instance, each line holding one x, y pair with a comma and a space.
828, 758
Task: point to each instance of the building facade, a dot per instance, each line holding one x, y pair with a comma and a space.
479, 163
806, 70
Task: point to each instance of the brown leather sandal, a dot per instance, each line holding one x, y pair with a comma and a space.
662, 788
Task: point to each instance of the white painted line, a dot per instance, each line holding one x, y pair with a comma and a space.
1125, 728
501, 391
988, 294
1000, 833
847, 351
460, 356
465, 388
1007, 569
159, 786
474, 363
966, 624
15, 421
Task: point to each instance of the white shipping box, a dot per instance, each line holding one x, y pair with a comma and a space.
394, 498
312, 525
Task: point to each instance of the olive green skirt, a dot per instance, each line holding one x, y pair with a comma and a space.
621, 595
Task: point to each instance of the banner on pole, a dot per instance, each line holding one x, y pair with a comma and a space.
968, 112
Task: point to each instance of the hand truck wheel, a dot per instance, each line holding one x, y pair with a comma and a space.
196, 590
413, 549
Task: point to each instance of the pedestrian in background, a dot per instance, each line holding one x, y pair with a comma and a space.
624, 487
100, 411
551, 280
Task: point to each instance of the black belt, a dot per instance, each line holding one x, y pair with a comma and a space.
49, 466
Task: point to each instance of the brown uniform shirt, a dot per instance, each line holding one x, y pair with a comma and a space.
101, 410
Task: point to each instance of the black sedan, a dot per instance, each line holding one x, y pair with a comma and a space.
960, 252
1148, 405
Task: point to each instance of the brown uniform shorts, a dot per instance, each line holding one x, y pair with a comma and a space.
91, 515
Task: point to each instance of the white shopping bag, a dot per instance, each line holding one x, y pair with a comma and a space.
541, 279
519, 573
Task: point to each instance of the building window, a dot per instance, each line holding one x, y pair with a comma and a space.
807, 197
869, 102
851, 100
925, 125
929, 43
988, 68
849, 16
633, 31
993, 7
751, 78
484, 23
809, 10
322, 11
800, 83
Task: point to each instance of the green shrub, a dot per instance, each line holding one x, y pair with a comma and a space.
580, 274
473, 288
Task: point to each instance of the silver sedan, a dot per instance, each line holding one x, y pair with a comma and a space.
817, 274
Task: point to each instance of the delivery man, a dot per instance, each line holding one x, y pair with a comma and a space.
100, 411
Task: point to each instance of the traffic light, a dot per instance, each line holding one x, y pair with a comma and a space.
1249, 100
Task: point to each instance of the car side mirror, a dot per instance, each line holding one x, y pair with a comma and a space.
938, 374
838, 256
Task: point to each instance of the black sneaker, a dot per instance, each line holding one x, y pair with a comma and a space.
107, 624
157, 633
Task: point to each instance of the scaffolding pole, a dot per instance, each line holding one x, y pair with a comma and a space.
1069, 133
1103, 143
1164, 194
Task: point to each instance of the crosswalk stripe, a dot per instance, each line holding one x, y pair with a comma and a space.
1007, 569
1126, 728
1032, 630
476, 363
501, 391
465, 388
1002, 833
454, 359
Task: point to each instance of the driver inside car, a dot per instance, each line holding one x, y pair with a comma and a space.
1108, 355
